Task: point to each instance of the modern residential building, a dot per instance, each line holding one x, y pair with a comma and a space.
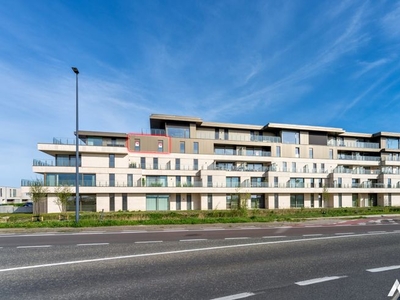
13, 195
185, 163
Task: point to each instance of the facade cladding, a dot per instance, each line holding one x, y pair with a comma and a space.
185, 163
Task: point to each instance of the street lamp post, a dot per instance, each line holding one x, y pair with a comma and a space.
77, 151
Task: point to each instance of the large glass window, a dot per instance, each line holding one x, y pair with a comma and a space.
155, 163
124, 202
157, 202
178, 131
67, 160
276, 200
195, 164
392, 143
296, 182
257, 181
290, 137
156, 181
296, 200
70, 179
177, 163
86, 203
143, 162
178, 181
130, 180
196, 147
95, 141
209, 181
257, 201
232, 201
232, 181
278, 151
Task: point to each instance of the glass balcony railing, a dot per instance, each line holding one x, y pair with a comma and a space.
353, 144
359, 157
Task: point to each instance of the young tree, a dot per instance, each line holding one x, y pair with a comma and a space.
63, 194
325, 195
38, 193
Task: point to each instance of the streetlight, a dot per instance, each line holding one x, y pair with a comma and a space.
77, 151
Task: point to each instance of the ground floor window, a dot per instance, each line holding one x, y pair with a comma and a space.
124, 202
157, 202
178, 201
189, 202
257, 201
86, 203
209, 201
232, 201
296, 200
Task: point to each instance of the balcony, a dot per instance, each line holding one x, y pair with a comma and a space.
52, 163
353, 144
66, 141
358, 157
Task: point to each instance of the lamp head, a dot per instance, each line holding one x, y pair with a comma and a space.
75, 70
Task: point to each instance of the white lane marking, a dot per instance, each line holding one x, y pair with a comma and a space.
361, 224
318, 280
313, 234
237, 238
383, 269
344, 233
38, 246
192, 240
148, 242
376, 232
396, 231
187, 251
93, 244
233, 297
273, 236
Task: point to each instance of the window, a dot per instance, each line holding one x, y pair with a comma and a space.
209, 201
112, 179
278, 151
130, 180
389, 182
322, 168
311, 153
297, 152
178, 201
290, 137
340, 200
226, 134
67, 160
155, 163
178, 181
232, 181
312, 200
275, 181
143, 162
330, 153
112, 202
177, 163
137, 145
189, 201
195, 164
189, 180
392, 143
209, 181
111, 163
178, 131
284, 166
389, 200
160, 146
156, 181
296, 200
196, 147
312, 182
232, 201
124, 202
1, 192
354, 200
320, 200
182, 147
157, 202
257, 181
257, 201
340, 182
276, 200
315, 170
296, 182
294, 167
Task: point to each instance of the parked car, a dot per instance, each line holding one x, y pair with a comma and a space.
28, 204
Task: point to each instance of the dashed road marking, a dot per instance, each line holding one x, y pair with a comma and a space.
193, 240
93, 244
273, 236
313, 234
383, 269
318, 280
234, 297
237, 238
36, 246
147, 242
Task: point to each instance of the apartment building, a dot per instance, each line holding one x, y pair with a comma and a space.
13, 195
185, 163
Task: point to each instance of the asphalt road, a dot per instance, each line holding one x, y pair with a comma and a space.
321, 262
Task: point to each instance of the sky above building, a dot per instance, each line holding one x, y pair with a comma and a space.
308, 62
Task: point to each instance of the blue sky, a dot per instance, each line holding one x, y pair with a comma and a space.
324, 63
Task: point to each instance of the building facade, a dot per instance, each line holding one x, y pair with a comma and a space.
13, 195
185, 163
